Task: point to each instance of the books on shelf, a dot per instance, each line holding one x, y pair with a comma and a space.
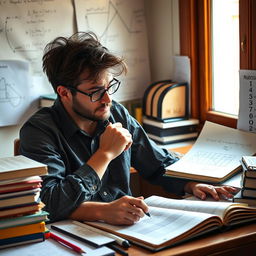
47, 100
174, 221
216, 154
20, 166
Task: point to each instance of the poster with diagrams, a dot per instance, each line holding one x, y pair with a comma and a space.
14, 91
25, 29
121, 27
27, 26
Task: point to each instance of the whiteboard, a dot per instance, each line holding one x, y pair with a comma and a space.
121, 27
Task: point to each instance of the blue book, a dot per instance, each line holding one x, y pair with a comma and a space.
18, 240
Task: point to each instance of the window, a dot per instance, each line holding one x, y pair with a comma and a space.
196, 42
225, 55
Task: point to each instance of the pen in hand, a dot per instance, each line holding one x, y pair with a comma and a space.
66, 243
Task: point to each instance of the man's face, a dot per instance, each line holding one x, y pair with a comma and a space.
95, 111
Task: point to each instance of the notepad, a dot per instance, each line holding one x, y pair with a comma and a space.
67, 227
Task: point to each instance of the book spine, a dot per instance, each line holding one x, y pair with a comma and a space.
170, 131
22, 230
249, 182
30, 238
248, 193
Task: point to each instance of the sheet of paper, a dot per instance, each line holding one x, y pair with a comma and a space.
247, 101
216, 152
121, 27
27, 26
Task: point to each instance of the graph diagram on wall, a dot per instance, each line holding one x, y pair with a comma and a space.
14, 91
120, 26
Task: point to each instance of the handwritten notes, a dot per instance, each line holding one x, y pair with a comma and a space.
27, 26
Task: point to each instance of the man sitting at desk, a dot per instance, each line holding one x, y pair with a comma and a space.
89, 142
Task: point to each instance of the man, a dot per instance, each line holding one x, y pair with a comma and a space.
89, 142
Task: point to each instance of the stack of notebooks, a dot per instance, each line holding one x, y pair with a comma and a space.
22, 219
172, 131
247, 193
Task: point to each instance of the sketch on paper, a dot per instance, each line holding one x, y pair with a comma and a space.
15, 92
9, 94
121, 27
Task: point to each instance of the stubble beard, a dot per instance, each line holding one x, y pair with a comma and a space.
87, 115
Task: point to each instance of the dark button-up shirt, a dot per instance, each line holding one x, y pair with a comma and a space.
50, 136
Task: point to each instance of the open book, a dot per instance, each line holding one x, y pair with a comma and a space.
216, 154
173, 221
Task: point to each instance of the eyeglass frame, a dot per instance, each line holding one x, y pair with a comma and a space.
118, 82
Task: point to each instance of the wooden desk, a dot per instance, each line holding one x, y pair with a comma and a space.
234, 242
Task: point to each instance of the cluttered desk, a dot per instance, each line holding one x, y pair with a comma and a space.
197, 227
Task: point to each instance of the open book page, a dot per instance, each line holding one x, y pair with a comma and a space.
211, 207
8, 164
165, 226
215, 155
235, 213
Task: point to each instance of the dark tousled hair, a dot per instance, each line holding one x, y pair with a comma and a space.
65, 59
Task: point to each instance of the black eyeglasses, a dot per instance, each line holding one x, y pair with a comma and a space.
113, 86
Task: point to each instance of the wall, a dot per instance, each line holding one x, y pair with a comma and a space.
163, 34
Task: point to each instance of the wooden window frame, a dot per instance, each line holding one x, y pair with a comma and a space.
195, 42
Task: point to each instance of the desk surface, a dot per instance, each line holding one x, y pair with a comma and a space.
236, 242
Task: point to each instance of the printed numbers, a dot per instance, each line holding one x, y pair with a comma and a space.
251, 108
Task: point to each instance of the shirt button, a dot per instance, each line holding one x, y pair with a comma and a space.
105, 193
94, 187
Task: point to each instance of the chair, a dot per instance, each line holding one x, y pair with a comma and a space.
16, 147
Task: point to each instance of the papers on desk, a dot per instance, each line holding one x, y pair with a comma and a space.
216, 154
80, 233
51, 247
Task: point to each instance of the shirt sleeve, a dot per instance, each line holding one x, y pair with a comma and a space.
151, 161
63, 190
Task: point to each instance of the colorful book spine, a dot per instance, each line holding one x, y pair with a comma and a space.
23, 230
19, 240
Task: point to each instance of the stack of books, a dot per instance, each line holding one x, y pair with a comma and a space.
247, 193
172, 131
22, 219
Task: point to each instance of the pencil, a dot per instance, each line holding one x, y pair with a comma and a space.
66, 243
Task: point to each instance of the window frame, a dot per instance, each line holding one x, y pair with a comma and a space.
195, 42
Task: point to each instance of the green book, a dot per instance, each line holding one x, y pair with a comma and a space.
23, 220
